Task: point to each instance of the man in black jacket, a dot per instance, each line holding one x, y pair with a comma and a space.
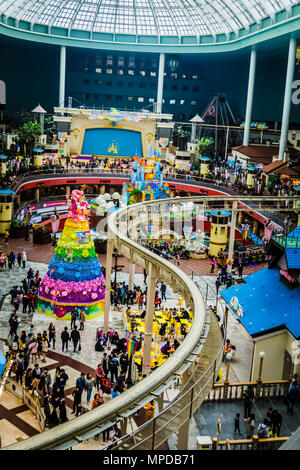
124, 362
121, 383
65, 337
75, 337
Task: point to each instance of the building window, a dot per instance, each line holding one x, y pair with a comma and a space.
185, 88
142, 85
86, 96
183, 75
140, 99
195, 77
195, 88
130, 84
181, 117
108, 97
182, 101
153, 85
151, 100
193, 103
131, 62
142, 73
173, 75
86, 81
108, 83
130, 98
120, 83
130, 72
109, 71
152, 74
98, 82
174, 87
98, 70
120, 72
121, 61
172, 101
119, 98
109, 60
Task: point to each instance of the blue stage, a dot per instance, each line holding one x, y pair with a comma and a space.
266, 302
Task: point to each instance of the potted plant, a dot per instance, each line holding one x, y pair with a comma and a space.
100, 245
41, 235
17, 228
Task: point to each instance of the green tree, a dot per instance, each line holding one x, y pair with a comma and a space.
27, 135
204, 146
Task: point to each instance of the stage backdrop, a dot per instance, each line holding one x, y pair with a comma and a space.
112, 142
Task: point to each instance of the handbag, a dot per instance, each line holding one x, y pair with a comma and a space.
79, 347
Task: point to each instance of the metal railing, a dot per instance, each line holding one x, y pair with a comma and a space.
270, 443
269, 388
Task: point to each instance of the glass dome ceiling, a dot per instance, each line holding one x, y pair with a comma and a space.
145, 17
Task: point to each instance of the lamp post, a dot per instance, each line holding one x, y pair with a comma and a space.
226, 381
259, 380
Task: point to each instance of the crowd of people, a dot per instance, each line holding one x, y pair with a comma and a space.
169, 250
270, 425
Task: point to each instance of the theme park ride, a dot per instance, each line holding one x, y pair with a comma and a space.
146, 180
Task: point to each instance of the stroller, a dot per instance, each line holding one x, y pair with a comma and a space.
105, 385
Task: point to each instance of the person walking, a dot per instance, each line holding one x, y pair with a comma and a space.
105, 364
19, 259
24, 258
248, 400
163, 289
81, 382
89, 383
74, 316
52, 335
124, 362
82, 319
113, 367
250, 426
237, 424
240, 269
77, 401
99, 373
65, 338
292, 396
213, 264
75, 337
276, 423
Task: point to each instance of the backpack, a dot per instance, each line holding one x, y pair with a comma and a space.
262, 431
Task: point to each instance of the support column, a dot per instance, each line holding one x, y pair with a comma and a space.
232, 233
131, 275
151, 286
160, 84
108, 281
37, 194
251, 81
62, 76
287, 97
183, 436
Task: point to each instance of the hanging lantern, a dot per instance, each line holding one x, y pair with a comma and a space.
173, 62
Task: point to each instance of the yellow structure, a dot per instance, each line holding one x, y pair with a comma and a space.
252, 171
6, 209
218, 232
38, 160
3, 168
204, 167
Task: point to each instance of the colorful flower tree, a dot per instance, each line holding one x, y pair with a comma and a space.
74, 277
